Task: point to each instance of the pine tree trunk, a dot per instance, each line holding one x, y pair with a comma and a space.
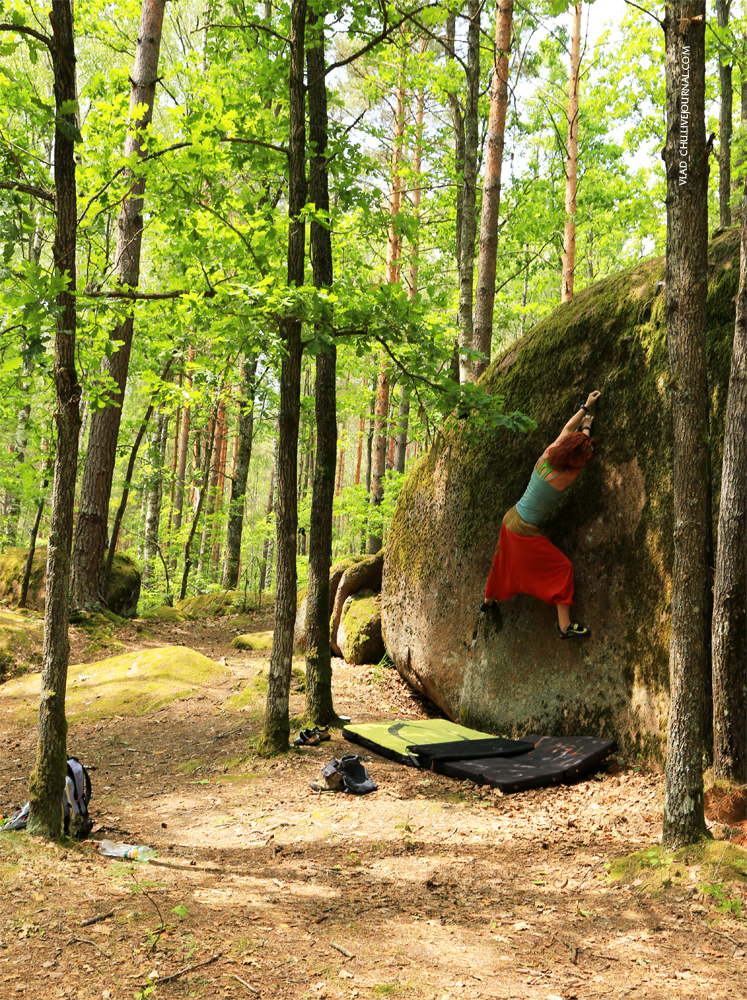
491, 192
724, 120
48, 777
729, 631
686, 290
571, 162
277, 727
469, 191
457, 120
238, 486
378, 461
95, 492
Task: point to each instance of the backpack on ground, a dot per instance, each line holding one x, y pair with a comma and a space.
75, 798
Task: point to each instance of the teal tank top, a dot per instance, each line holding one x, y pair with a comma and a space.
538, 498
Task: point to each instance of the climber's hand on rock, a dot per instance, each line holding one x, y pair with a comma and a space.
593, 397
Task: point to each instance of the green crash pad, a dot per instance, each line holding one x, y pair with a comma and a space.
392, 739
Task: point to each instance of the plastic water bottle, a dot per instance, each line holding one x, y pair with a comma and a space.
134, 852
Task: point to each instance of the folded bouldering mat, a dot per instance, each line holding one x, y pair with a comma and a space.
418, 742
513, 765
552, 761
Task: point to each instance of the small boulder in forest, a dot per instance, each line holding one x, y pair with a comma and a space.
359, 633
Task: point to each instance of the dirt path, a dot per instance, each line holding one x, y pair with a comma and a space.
425, 889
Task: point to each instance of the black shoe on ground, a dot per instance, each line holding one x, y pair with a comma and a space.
574, 629
485, 607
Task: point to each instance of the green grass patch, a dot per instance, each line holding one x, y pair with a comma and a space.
130, 684
188, 767
706, 865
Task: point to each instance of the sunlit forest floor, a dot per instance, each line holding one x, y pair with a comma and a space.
427, 888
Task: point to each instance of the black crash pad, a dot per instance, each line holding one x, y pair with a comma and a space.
553, 761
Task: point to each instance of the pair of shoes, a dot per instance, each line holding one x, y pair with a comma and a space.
573, 629
344, 775
312, 737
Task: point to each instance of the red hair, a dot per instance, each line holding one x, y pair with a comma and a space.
573, 451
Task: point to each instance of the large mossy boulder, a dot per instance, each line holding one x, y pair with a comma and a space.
122, 593
359, 632
507, 671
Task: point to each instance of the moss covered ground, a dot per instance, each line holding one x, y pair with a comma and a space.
253, 641
130, 684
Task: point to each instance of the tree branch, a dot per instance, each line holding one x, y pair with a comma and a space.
23, 29
257, 142
35, 192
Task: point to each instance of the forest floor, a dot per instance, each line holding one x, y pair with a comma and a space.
427, 888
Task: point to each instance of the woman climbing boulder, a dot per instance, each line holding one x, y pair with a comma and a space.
525, 561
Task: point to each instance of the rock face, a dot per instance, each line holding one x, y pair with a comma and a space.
359, 631
122, 593
507, 672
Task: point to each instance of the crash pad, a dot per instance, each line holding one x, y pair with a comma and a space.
510, 765
407, 742
552, 761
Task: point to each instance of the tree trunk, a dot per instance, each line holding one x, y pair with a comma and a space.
238, 486
48, 777
268, 510
469, 191
378, 462
208, 523
277, 728
181, 462
126, 490
457, 120
686, 289
219, 493
198, 506
393, 276
571, 162
155, 494
491, 192
93, 514
729, 631
34, 532
319, 709
724, 120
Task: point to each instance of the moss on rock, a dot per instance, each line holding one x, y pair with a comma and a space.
122, 593
163, 613
253, 641
130, 684
359, 634
507, 672
209, 605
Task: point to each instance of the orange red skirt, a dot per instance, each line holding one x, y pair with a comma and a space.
526, 562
